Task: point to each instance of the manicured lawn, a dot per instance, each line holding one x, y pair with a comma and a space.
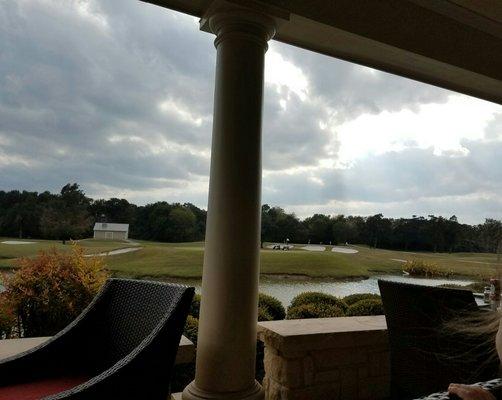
184, 260
9, 252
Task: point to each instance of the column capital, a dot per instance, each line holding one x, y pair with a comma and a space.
254, 21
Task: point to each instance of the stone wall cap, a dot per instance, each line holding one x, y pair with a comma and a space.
317, 326
301, 335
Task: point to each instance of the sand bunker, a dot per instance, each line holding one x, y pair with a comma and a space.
345, 250
314, 248
114, 252
16, 242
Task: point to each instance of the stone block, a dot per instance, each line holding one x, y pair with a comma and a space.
286, 371
372, 338
308, 370
374, 388
271, 350
349, 376
335, 358
274, 390
318, 392
327, 376
363, 373
379, 364
348, 392
295, 352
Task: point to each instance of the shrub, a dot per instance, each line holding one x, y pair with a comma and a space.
264, 314
183, 374
195, 306
191, 329
269, 308
272, 305
312, 310
49, 291
427, 269
259, 366
354, 298
476, 287
7, 317
366, 307
318, 298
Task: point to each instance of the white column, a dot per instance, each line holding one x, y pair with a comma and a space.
226, 347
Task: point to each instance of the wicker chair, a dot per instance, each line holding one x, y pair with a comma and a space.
494, 387
425, 357
122, 346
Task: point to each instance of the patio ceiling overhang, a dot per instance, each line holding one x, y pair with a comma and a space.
454, 44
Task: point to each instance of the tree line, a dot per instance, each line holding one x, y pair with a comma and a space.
70, 214
431, 233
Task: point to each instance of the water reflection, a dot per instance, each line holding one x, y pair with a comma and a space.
286, 289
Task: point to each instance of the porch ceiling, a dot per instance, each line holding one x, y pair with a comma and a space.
455, 44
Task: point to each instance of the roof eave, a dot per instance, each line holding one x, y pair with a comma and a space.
446, 47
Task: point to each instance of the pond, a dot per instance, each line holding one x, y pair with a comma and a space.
286, 288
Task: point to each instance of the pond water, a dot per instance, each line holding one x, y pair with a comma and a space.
287, 288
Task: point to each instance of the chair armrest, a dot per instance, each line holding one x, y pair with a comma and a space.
52, 356
494, 386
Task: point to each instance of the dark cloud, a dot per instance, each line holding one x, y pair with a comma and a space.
71, 82
118, 96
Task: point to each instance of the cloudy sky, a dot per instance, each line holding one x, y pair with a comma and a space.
117, 95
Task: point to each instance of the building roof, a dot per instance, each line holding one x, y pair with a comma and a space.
106, 226
455, 44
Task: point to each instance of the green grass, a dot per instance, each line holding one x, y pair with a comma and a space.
9, 252
184, 260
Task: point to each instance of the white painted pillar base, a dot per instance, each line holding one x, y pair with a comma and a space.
226, 349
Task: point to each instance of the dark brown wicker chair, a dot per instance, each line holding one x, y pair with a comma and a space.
494, 387
425, 357
123, 346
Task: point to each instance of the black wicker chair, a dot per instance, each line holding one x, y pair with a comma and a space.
123, 346
494, 387
425, 357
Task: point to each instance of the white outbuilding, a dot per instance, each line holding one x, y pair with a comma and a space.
110, 231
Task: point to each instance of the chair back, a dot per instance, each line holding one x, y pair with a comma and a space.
425, 356
130, 311
124, 344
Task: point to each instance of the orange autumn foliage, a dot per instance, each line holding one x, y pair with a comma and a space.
47, 292
7, 317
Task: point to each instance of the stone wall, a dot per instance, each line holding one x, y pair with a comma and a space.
329, 358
